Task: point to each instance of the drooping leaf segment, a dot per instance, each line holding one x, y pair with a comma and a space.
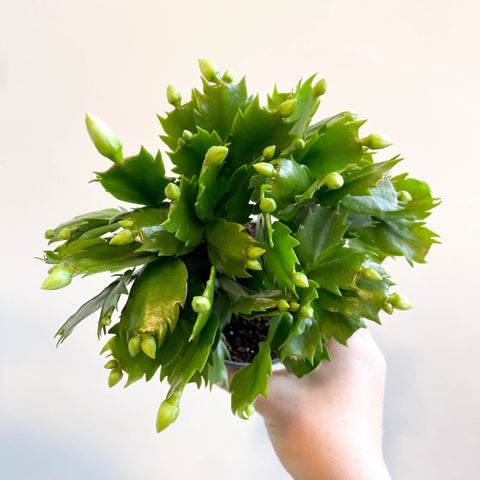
326, 216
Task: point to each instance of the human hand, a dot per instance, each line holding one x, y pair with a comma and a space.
328, 424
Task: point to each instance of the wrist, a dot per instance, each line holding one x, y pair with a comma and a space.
315, 466
309, 455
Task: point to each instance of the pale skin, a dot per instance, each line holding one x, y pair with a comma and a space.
328, 424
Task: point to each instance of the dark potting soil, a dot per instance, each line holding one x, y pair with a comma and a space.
243, 336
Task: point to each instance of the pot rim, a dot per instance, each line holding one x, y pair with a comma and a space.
231, 363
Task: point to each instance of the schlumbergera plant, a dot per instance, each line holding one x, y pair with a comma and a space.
268, 219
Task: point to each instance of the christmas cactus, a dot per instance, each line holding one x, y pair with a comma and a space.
266, 215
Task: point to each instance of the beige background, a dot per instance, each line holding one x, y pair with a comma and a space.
411, 67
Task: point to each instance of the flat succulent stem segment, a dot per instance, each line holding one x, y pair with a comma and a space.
154, 302
267, 213
203, 317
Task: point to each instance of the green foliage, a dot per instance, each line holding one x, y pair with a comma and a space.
291, 179
251, 381
366, 302
103, 257
253, 130
105, 300
182, 219
203, 317
321, 228
210, 190
236, 206
280, 259
267, 214
334, 146
402, 238
227, 246
336, 325
245, 301
188, 158
174, 124
139, 179
302, 352
195, 356
136, 367
216, 108
218, 371
421, 203
338, 267
82, 225
154, 302
382, 198
154, 237
306, 106
357, 182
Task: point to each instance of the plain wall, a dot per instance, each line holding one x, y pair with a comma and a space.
411, 67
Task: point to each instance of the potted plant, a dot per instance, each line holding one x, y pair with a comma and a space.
266, 240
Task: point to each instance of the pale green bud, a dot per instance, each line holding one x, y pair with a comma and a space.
265, 169
320, 88
299, 144
387, 307
283, 305
216, 155
114, 377
148, 346
64, 234
306, 311
334, 181
55, 267
59, 278
269, 152
49, 234
399, 301
228, 76
249, 410
376, 141
111, 364
172, 192
294, 306
255, 252
404, 196
268, 205
201, 304
252, 264
287, 107
126, 224
187, 135
107, 319
104, 138
174, 399
371, 274
123, 237
134, 345
173, 96
209, 69
300, 279
167, 414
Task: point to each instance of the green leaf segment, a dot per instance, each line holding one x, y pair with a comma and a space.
266, 213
